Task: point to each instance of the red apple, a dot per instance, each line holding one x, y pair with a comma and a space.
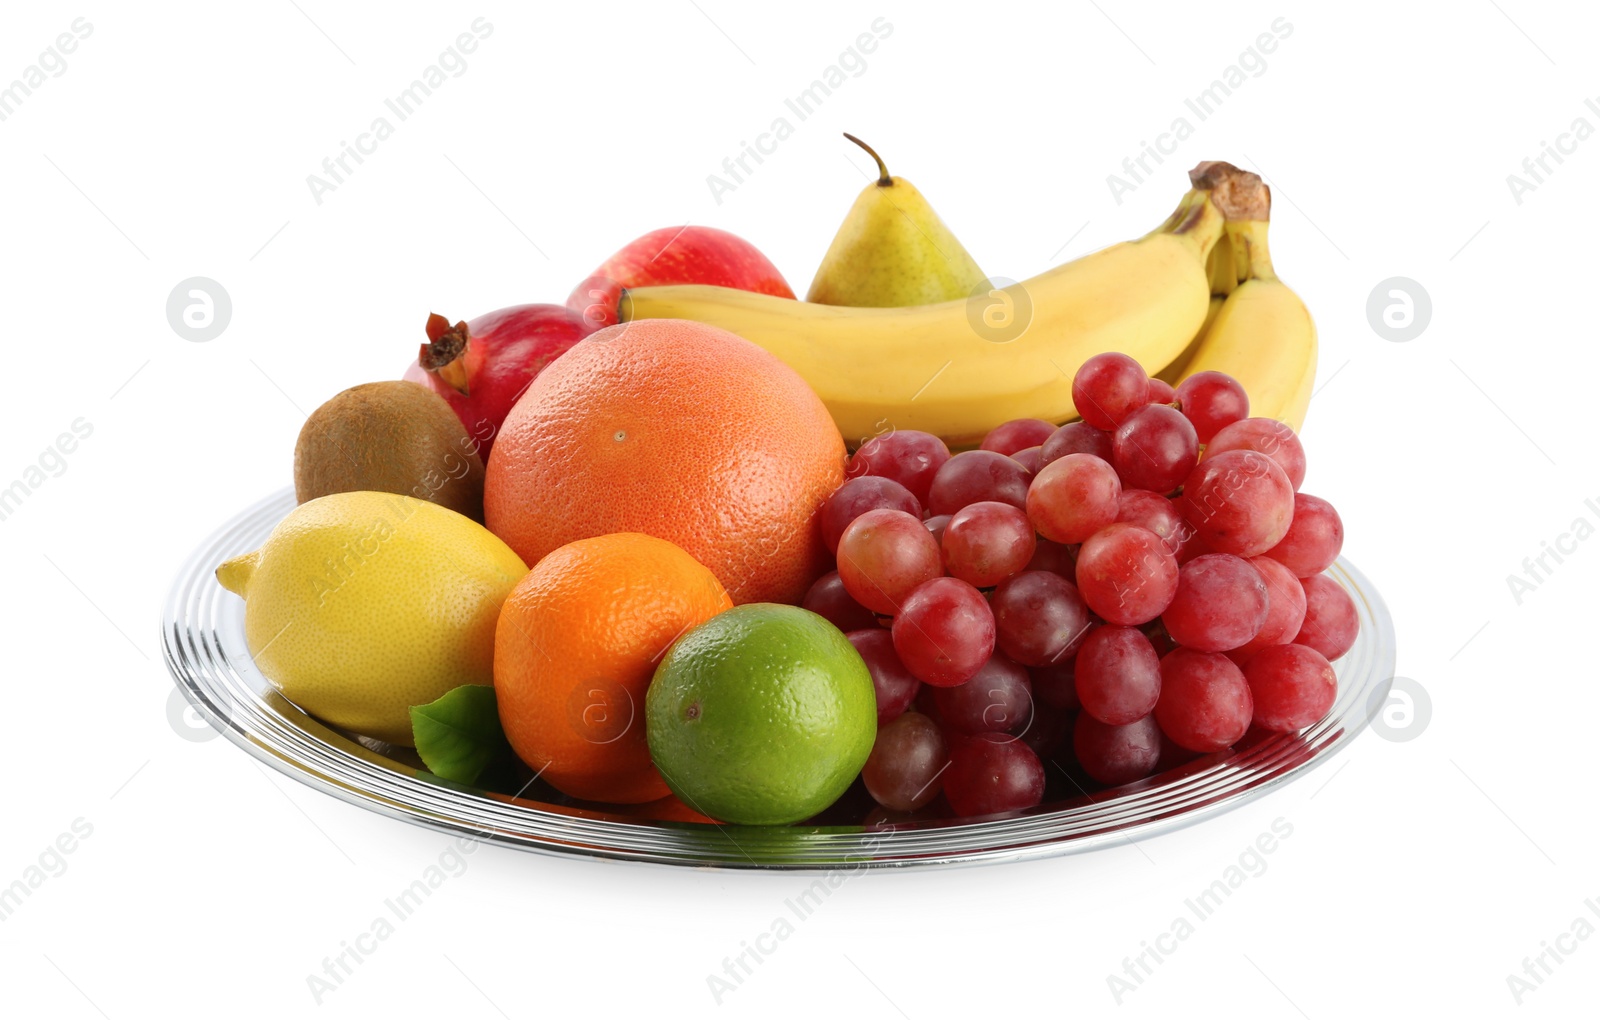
481, 367
675, 255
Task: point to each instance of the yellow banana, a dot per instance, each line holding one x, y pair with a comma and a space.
1237, 194
1175, 368
959, 368
1263, 336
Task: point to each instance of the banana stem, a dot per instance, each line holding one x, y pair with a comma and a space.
1196, 220
1248, 240
1240, 194
1246, 201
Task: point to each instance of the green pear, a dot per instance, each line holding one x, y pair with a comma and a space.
893, 250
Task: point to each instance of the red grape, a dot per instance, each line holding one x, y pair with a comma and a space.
903, 770
945, 632
1017, 434
1221, 603
1114, 755
893, 684
828, 599
1161, 392
1292, 686
1118, 675
1154, 513
1073, 497
858, 495
1268, 436
985, 543
1286, 608
936, 526
1316, 534
910, 458
990, 773
1240, 502
1154, 448
1076, 437
1212, 401
1331, 623
1127, 574
884, 555
1039, 617
1056, 685
975, 476
998, 699
1108, 388
1205, 703
1030, 458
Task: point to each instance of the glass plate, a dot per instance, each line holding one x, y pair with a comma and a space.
203, 638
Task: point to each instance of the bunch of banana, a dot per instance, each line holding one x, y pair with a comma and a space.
960, 367
1259, 330
1196, 293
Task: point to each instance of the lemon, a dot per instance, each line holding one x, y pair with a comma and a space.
762, 715
362, 604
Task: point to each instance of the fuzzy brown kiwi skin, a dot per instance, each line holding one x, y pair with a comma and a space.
391, 436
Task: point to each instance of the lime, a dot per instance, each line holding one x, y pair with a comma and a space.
762, 715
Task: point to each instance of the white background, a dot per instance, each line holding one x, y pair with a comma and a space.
177, 143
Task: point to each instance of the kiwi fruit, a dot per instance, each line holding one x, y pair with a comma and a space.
393, 436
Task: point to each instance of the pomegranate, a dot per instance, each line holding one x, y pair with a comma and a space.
481, 367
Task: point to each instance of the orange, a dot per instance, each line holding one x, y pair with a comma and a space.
679, 430
574, 649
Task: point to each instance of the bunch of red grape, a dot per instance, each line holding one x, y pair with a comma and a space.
1147, 579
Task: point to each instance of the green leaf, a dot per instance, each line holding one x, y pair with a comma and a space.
459, 735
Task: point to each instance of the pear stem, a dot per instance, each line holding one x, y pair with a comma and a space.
884, 180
